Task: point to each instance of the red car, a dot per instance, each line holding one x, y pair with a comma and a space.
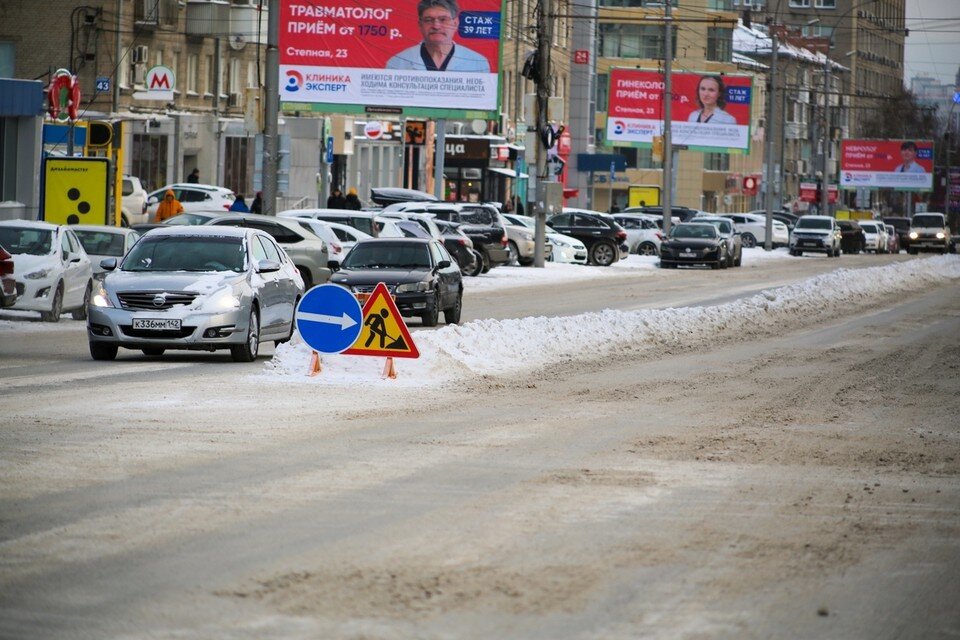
8, 286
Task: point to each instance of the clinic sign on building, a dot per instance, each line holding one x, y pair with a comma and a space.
903, 165
353, 58
710, 112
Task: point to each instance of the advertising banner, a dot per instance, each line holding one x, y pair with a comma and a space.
904, 165
440, 61
710, 112
75, 190
953, 197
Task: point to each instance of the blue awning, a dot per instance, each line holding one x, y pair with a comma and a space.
19, 98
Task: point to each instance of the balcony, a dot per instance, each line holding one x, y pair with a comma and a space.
208, 18
244, 20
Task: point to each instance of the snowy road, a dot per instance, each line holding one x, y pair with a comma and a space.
782, 462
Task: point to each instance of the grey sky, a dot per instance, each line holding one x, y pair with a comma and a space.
933, 46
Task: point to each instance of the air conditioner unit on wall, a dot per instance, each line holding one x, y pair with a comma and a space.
140, 54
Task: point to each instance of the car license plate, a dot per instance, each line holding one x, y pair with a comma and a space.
687, 254
151, 324
808, 243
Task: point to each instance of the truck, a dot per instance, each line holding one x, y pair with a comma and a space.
643, 195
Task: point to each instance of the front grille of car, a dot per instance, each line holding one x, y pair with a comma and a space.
151, 300
184, 332
368, 288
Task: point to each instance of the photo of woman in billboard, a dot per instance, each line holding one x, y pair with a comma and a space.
711, 98
439, 21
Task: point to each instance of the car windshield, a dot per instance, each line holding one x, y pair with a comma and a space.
724, 226
813, 223
186, 253
388, 255
923, 220
101, 243
694, 231
23, 240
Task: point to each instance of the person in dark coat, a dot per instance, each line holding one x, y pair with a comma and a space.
194, 177
352, 201
336, 200
239, 205
257, 205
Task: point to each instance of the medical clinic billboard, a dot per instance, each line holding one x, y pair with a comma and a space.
905, 165
710, 112
347, 57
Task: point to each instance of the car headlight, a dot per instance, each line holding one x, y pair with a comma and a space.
527, 236
413, 286
914, 235
560, 243
940, 235
101, 298
223, 300
39, 274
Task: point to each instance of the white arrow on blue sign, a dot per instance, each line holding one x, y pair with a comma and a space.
329, 318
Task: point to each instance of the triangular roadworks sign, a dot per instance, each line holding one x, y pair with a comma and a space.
384, 332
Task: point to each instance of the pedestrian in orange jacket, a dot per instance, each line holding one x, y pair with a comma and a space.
169, 207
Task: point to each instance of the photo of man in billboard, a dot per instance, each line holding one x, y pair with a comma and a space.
908, 153
439, 21
711, 98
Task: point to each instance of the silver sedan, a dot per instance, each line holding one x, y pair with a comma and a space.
190, 287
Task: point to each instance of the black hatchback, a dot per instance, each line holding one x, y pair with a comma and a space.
852, 239
419, 273
599, 232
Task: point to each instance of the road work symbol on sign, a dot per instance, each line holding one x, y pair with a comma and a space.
328, 318
384, 332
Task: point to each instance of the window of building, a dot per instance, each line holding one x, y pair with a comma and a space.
633, 41
716, 162
720, 5
235, 76
825, 4
603, 88
645, 159
817, 31
7, 51
799, 4
149, 160
635, 3
211, 85
8, 149
251, 75
719, 44
193, 73
237, 166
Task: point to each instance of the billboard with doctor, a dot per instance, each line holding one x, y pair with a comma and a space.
904, 165
710, 112
429, 57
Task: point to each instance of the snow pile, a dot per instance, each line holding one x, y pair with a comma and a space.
505, 347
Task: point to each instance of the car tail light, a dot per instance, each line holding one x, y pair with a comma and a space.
659, 236
336, 247
504, 240
462, 241
6, 267
621, 236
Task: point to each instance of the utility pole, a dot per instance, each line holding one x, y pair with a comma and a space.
117, 54
271, 110
769, 133
544, 130
825, 188
667, 199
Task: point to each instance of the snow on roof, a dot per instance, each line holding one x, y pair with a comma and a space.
753, 41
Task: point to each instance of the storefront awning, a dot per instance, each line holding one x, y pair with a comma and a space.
507, 172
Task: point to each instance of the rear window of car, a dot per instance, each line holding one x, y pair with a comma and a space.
387, 255
21, 240
477, 216
100, 243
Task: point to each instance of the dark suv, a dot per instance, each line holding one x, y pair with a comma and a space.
479, 222
902, 225
852, 238
599, 232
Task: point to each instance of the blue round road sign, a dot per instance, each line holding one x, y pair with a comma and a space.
329, 318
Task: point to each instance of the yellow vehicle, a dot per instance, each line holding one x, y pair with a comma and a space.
643, 195
844, 214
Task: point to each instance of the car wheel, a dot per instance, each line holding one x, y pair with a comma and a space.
666, 265
81, 313
155, 352
476, 266
431, 318
452, 315
247, 352
485, 262
749, 241
725, 262
307, 280
514, 253
57, 306
603, 254
647, 249
739, 261
912, 252
103, 351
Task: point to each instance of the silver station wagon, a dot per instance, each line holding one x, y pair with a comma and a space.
190, 287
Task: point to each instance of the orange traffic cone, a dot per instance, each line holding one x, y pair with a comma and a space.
389, 371
315, 365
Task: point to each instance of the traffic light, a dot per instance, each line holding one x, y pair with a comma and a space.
750, 185
99, 134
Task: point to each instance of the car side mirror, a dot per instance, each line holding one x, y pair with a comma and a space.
268, 266
108, 264
443, 264
153, 199
333, 265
